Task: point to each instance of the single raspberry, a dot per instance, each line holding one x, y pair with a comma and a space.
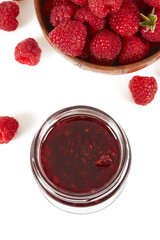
151, 26
153, 3
49, 5
80, 2
69, 37
8, 128
62, 13
28, 52
143, 89
84, 14
101, 8
8, 13
105, 44
133, 50
125, 22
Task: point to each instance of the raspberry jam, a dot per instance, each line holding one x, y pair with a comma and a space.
80, 158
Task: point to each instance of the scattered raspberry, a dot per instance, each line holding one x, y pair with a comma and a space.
105, 44
69, 37
101, 8
151, 26
49, 4
84, 14
8, 13
153, 3
28, 52
80, 2
125, 22
62, 13
143, 89
8, 128
133, 50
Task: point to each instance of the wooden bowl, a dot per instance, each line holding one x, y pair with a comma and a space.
46, 28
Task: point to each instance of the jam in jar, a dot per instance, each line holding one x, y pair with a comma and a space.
81, 159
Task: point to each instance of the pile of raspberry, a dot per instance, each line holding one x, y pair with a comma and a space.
105, 32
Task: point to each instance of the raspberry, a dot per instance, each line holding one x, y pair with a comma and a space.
101, 8
49, 5
133, 50
105, 44
84, 14
153, 3
125, 22
80, 2
69, 37
28, 52
62, 13
143, 89
8, 128
8, 13
151, 26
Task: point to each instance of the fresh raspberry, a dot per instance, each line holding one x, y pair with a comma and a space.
69, 37
80, 2
133, 50
8, 13
28, 52
125, 22
151, 26
143, 89
105, 44
62, 13
153, 3
8, 128
84, 14
101, 8
49, 5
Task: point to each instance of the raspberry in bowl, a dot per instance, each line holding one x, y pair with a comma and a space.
80, 158
100, 41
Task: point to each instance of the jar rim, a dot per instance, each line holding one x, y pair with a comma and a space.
101, 193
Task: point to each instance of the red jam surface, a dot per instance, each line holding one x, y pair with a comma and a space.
80, 154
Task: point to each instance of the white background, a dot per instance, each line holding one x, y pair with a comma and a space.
31, 94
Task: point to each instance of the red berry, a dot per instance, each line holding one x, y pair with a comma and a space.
105, 44
8, 13
143, 89
153, 3
84, 14
150, 28
69, 37
28, 52
80, 2
133, 50
62, 13
8, 128
125, 22
49, 4
101, 8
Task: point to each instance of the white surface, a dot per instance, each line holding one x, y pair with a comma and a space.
31, 94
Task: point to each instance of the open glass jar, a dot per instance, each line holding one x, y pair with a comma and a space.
80, 158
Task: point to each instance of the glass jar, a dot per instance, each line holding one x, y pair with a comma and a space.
97, 172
